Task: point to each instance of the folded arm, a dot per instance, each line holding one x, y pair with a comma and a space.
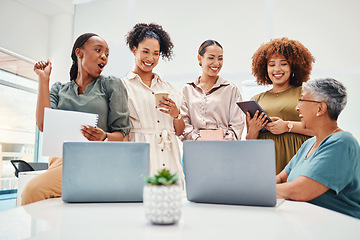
301, 189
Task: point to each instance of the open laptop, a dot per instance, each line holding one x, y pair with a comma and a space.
104, 171
230, 172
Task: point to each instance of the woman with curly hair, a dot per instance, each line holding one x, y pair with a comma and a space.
285, 64
156, 124
209, 103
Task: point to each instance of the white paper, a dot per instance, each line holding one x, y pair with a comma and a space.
61, 126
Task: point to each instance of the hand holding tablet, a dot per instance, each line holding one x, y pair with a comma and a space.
252, 106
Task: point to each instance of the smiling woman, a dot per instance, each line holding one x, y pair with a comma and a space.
157, 124
326, 169
209, 103
87, 91
285, 64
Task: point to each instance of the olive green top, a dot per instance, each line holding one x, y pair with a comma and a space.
282, 105
105, 96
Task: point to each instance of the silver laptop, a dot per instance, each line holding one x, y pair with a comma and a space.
230, 172
104, 171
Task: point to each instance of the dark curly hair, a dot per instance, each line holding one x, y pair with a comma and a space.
152, 30
298, 56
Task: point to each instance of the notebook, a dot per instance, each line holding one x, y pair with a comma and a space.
230, 172
104, 171
64, 125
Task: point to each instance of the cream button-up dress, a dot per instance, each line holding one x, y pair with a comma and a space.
150, 125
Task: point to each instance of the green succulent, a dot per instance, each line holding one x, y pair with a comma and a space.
164, 177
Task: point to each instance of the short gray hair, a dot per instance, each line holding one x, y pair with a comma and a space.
330, 91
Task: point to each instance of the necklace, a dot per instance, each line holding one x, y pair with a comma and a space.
203, 86
278, 93
147, 82
336, 129
207, 84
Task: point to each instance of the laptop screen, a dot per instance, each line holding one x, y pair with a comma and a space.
230, 172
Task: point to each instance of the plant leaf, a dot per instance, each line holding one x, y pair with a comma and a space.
164, 177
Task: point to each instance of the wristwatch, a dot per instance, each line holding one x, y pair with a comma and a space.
290, 125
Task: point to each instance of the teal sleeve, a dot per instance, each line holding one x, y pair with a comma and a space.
119, 114
54, 94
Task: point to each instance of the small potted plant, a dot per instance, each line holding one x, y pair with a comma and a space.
162, 198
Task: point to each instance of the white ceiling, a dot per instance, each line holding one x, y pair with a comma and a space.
50, 7
54, 7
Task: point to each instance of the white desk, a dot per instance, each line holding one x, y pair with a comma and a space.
54, 219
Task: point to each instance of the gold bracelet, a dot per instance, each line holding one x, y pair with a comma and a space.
106, 137
178, 117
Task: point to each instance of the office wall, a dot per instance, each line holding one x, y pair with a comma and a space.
23, 31
37, 35
189, 23
329, 28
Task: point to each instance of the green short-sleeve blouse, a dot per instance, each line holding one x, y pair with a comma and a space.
105, 96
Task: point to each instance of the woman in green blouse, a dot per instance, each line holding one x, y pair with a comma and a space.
285, 64
87, 91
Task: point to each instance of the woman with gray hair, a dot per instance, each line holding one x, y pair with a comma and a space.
326, 169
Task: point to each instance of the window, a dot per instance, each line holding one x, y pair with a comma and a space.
18, 132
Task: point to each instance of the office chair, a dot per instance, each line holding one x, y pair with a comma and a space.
23, 166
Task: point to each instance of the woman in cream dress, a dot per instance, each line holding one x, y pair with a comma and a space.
159, 127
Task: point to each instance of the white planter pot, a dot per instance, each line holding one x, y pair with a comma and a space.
162, 203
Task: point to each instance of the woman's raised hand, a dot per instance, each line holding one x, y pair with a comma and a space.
43, 69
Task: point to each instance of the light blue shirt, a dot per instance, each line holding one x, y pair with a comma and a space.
335, 164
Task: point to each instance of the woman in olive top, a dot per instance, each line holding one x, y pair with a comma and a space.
285, 64
87, 91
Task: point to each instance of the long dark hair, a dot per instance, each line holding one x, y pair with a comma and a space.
205, 44
80, 41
